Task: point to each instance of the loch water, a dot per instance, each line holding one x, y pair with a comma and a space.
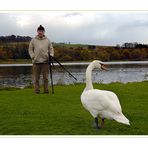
20, 75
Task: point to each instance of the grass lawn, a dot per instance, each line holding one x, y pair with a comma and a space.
24, 113
16, 61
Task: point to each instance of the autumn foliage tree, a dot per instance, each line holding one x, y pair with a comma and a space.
3, 54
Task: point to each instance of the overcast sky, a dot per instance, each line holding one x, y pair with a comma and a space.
85, 27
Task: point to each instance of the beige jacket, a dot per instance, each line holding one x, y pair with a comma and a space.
39, 48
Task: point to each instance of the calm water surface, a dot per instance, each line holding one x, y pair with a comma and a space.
20, 75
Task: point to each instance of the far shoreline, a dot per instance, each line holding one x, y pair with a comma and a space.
29, 61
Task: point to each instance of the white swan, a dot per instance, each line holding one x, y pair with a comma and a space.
101, 102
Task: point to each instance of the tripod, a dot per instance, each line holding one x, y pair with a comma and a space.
50, 68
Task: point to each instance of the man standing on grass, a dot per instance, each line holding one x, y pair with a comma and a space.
40, 48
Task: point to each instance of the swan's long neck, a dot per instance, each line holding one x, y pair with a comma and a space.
89, 77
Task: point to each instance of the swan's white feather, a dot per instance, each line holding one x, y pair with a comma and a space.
100, 101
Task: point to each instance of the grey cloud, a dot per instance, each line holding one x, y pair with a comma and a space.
71, 14
105, 28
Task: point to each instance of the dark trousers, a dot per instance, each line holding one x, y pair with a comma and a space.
38, 69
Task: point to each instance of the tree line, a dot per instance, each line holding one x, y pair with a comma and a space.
101, 53
132, 45
13, 38
70, 52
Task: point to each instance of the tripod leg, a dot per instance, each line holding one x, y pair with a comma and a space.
62, 66
50, 68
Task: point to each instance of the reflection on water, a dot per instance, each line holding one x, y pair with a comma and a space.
21, 76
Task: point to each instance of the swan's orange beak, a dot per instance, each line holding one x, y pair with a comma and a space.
103, 67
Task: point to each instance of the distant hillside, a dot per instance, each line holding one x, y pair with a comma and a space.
16, 47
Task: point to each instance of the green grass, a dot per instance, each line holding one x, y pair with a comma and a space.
24, 113
16, 61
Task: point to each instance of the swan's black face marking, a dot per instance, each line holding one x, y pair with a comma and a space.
103, 67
